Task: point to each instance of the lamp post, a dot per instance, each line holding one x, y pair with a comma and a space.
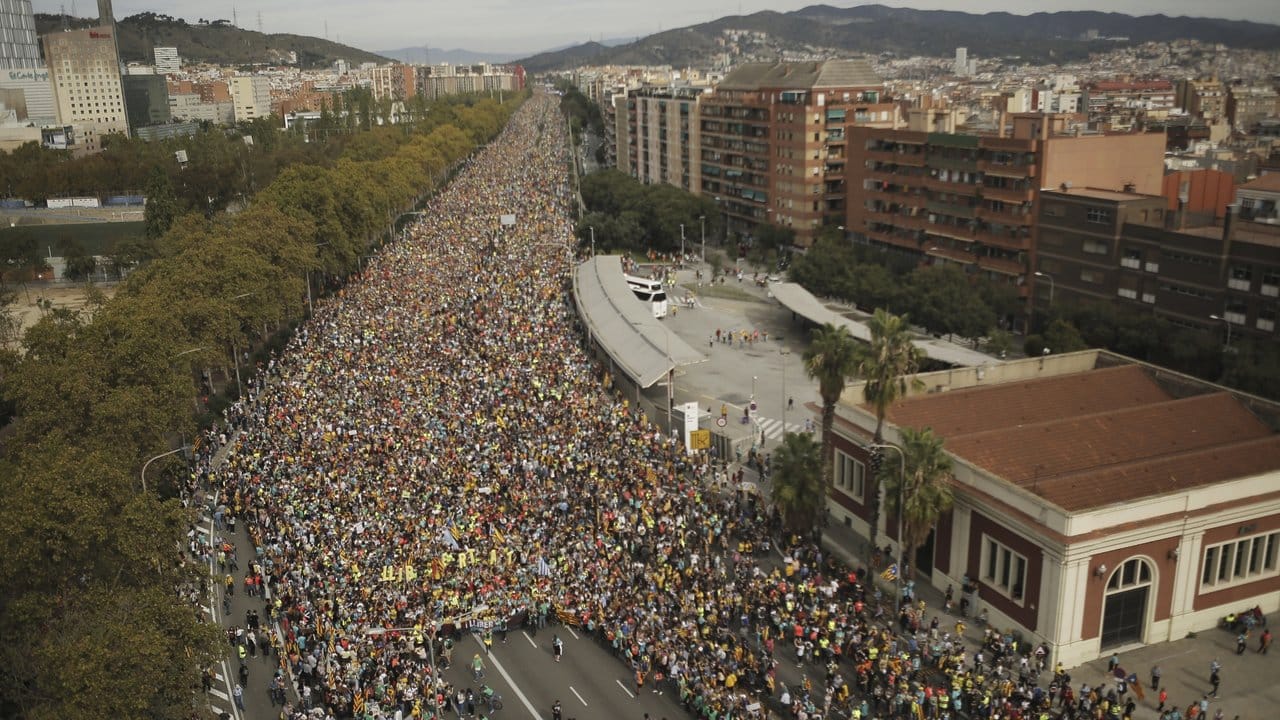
682, 243
593, 240
702, 220
784, 352
1225, 322
1048, 277
157, 457
902, 484
236, 353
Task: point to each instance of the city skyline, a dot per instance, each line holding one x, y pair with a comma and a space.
504, 26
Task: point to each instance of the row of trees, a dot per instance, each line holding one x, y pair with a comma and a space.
627, 215
92, 614
919, 487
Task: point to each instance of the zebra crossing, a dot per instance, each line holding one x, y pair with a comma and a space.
774, 429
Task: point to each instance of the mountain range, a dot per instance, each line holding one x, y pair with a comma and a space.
460, 56
876, 29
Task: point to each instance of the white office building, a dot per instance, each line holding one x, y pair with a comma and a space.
19, 46
167, 60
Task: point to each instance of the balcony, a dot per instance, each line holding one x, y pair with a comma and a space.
1240, 284
884, 156
960, 256
1151, 267
943, 208
1270, 290
934, 183
1009, 195
1007, 170
1004, 217
1131, 263
1002, 266
1266, 325
952, 163
986, 237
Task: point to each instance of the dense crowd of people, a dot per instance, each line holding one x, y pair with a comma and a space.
437, 439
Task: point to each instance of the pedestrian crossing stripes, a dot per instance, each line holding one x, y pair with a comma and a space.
775, 429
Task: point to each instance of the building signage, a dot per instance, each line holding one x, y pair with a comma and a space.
99, 35
40, 75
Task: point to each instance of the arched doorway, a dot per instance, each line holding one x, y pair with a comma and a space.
1124, 612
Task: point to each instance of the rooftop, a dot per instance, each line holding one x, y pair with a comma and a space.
855, 72
1095, 434
1101, 194
1269, 182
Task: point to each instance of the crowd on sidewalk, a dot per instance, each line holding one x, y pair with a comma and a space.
437, 439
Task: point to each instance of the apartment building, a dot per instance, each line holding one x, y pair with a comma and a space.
86, 80
1203, 97
1247, 105
1117, 247
773, 141
1123, 104
661, 137
381, 81
404, 83
146, 100
251, 97
972, 198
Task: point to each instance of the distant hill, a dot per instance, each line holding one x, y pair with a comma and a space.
457, 56
216, 41
878, 29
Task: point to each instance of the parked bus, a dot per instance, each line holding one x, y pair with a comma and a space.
651, 292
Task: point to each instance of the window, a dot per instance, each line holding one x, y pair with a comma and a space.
1095, 247
1004, 570
1240, 561
1098, 215
851, 475
1094, 277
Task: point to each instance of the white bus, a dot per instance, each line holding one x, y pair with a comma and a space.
651, 292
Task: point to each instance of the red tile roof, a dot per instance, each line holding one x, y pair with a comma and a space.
1093, 438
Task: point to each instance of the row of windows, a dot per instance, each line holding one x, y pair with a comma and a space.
1247, 560
1003, 570
850, 476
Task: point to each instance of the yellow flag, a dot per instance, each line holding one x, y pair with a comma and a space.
409, 573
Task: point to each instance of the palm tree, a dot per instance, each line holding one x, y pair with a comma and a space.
885, 364
926, 493
797, 488
830, 359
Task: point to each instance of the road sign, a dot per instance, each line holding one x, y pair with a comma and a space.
720, 421
700, 440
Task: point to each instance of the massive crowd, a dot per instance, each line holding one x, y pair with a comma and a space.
437, 439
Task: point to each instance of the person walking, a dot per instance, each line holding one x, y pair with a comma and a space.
238, 694
1155, 677
556, 712
557, 647
1215, 679
1164, 698
1241, 641
1264, 641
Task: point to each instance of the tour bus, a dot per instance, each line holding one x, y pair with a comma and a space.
651, 292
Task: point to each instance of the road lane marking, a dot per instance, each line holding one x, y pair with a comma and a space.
575, 694
218, 693
526, 637
624, 689
514, 687
571, 632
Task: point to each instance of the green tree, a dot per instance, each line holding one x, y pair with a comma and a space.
887, 365
78, 263
831, 359
797, 488
925, 491
1063, 337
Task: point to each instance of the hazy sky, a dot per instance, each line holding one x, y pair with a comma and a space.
530, 25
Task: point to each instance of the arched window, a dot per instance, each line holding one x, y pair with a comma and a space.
1133, 573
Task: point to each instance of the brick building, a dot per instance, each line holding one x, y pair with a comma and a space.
1100, 503
972, 198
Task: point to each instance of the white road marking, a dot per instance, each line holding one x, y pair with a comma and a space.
575, 694
218, 693
624, 689
526, 637
515, 688
571, 632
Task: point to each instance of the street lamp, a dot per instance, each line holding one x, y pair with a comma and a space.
902, 484
702, 219
1227, 323
784, 352
682, 243
236, 353
1048, 277
593, 240
164, 454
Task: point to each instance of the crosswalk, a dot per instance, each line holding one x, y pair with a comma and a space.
774, 429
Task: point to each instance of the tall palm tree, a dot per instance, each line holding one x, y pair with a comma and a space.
830, 359
924, 488
887, 365
797, 488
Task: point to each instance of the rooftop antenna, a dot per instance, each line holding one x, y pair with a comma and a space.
259, 21
66, 25
235, 19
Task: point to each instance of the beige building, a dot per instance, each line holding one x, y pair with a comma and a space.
251, 96
86, 80
658, 139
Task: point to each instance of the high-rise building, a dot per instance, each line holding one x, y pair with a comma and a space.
106, 16
972, 199
252, 96
773, 141
167, 60
86, 79
146, 99
660, 137
19, 46
961, 66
